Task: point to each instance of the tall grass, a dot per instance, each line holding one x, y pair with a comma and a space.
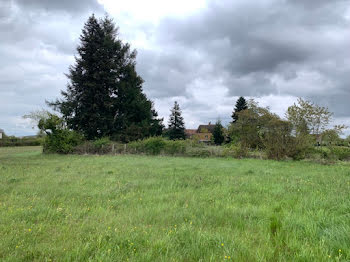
156, 208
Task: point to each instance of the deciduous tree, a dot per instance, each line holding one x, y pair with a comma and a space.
308, 117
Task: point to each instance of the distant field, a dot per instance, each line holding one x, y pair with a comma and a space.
140, 208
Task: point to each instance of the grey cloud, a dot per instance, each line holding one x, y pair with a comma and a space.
70, 6
38, 40
249, 44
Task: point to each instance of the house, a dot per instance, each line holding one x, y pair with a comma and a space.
190, 133
1, 133
203, 133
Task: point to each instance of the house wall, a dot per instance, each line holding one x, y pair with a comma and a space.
204, 136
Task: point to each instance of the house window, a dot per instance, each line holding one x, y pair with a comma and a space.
206, 137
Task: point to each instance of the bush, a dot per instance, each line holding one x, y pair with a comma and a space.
339, 152
62, 141
236, 150
300, 147
58, 138
15, 141
198, 152
154, 145
175, 147
157, 145
101, 142
151, 146
100, 146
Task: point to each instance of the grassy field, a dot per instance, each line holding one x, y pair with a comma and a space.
140, 208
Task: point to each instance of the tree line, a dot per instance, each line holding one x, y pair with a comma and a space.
104, 98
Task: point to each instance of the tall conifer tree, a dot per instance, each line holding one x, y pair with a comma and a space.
218, 133
176, 127
241, 104
104, 96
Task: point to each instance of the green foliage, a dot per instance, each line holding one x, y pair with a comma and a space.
300, 146
147, 208
195, 142
101, 148
101, 142
154, 145
331, 154
246, 129
61, 141
236, 150
198, 152
331, 137
307, 117
104, 96
218, 133
151, 146
58, 138
276, 137
346, 142
25, 141
177, 147
241, 105
176, 127
161, 146
258, 128
339, 152
158, 145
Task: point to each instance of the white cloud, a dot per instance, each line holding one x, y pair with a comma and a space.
152, 10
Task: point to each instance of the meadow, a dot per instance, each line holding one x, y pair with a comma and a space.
156, 208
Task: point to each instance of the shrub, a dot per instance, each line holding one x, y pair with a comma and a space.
240, 151
102, 146
15, 141
236, 150
101, 142
321, 152
154, 145
58, 138
61, 141
135, 147
339, 152
194, 142
177, 147
198, 152
300, 147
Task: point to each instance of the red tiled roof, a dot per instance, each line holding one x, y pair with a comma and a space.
190, 131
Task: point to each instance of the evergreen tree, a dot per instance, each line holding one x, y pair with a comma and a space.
241, 104
176, 127
218, 133
104, 96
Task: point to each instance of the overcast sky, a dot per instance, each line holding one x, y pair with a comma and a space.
202, 53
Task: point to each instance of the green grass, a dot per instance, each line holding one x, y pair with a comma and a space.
141, 208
